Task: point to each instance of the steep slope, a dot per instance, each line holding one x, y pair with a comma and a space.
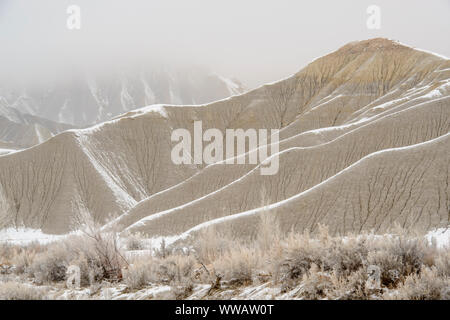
300, 169
426, 79
103, 170
364, 98
408, 186
21, 130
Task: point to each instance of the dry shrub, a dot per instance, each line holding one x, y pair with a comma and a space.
315, 284
164, 250
18, 291
95, 252
22, 260
182, 291
351, 287
269, 232
138, 274
133, 241
98, 255
6, 252
210, 245
390, 265
98, 258
344, 257
17, 257
442, 262
238, 265
50, 265
300, 252
93, 259
174, 270
427, 285
410, 251
343, 261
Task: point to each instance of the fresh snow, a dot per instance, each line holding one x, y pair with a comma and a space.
119, 193
23, 236
157, 108
341, 127
439, 91
6, 151
440, 236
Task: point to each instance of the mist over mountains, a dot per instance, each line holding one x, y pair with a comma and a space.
32, 112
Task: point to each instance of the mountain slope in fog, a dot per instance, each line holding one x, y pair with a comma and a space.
20, 130
85, 99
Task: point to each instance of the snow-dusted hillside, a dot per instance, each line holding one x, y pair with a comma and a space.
22, 130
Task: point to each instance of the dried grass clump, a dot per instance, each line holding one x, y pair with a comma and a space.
133, 241
19, 291
301, 252
96, 252
138, 274
336, 267
210, 245
427, 285
441, 261
49, 266
176, 270
17, 258
237, 266
315, 284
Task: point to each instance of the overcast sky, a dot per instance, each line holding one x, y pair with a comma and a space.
256, 41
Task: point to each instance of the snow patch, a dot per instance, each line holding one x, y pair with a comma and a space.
6, 151
158, 108
440, 236
23, 236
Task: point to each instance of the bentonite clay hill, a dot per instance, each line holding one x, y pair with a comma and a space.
364, 145
21, 130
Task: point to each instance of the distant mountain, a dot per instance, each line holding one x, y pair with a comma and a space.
87, 99
19, 130
364, 145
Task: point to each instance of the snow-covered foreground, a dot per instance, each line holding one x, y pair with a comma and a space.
277, 266
265, 291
